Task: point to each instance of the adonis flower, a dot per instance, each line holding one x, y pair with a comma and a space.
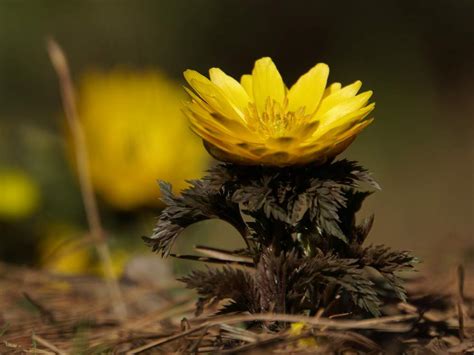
133, 126
260, 121
304, 251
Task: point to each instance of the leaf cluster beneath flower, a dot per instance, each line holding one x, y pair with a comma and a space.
304, 249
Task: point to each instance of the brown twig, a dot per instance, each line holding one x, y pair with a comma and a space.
60, 64
18, 349
163, 340
382, 323
47, 344
460, 301
183, 304
198, 341
46, 314
288, 339
263, 343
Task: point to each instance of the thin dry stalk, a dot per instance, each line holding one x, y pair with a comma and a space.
60, 64
48, 345
460, 301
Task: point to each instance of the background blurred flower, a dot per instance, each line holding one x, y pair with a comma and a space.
120, 258
136, 134
64, 250
19, 195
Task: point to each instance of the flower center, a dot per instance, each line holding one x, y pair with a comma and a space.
275, 121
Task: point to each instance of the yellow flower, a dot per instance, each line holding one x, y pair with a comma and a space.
19, 195
260, 121
298, 328
136, 134
120, 258
63, 250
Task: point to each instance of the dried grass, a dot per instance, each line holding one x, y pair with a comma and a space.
49, 314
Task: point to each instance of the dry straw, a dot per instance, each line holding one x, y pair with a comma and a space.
60, 64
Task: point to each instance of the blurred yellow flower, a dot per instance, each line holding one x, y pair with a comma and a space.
64, 250
136, 134
259, 121
19, 195
119, 257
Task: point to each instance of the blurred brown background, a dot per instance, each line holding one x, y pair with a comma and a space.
417, 56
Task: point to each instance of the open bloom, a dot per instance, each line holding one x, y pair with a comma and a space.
259, 121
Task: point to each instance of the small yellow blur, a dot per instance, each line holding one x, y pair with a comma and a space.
19, 195
64, 250
296, 329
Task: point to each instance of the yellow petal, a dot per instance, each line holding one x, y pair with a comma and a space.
196, 100
344, 140
354, 130
212, 94
247, 84
305, 130
309, 89
223, 143
192, 75
267, 83
218, 122
205, 130
338, 96
231, 88
344, 108
245, 158
331, 89
342, 124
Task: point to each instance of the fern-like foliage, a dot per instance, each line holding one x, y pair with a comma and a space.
288, 283
197, 203
229, 283
297, 200
304, 243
